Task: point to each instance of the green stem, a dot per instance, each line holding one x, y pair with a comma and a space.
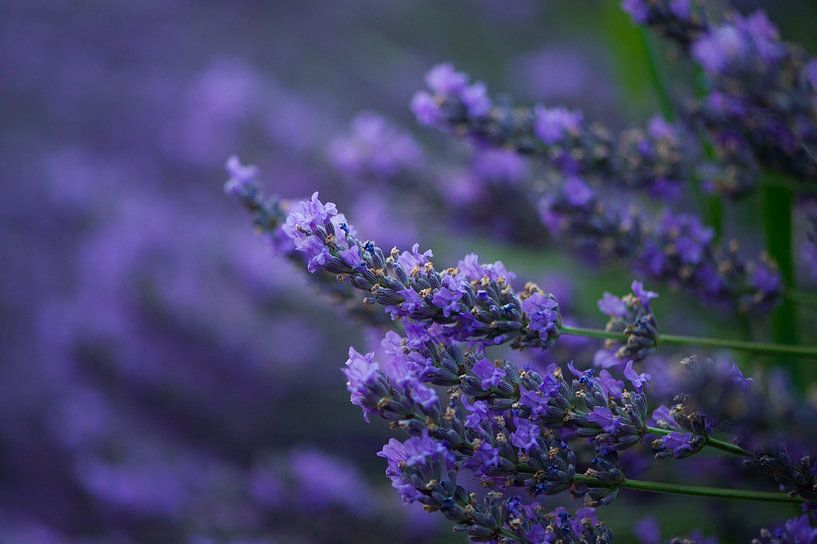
658, 81
765, 348
801, 297
777, 225
699, 491
791, 186
712, 442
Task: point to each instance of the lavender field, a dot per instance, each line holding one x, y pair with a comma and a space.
538, 271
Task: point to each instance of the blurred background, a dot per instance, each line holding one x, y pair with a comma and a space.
165, 378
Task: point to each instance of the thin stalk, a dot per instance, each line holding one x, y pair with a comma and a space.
778, 228
766, 348
712, 442
699, 491
658, 81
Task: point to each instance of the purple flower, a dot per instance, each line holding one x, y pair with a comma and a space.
552, 124
444, 80
643, 296
499, 166
478, 414
308, 215
681, 9
352, 257
612, 305
610, 385
302, 225
660, 129
647, 531
716, 50
475, 98
426, 109
412, 303
423, 395
375, 146
472, 270
679, 444
537, 400
525, 435
448, 296
361, 372
688, 235
663, 417
417, 460
401, 365
243, 178
638, 10
488, 373
605, 419
638, 380
765, 277
543, 312
578, 193
798, 530
484, 458
411, 260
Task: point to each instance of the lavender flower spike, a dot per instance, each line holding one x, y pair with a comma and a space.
462, 305
650, 159
269, 215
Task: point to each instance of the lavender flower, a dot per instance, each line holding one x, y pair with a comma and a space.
414, 464
794, 531
760, 95
674, 18
650, 159
631, 316
409, 286
678, 249
270, 217
375, 148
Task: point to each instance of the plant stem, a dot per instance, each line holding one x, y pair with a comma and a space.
792, 186
658, 82
699, 491
777, 225
766, 348
712, 442
801, 297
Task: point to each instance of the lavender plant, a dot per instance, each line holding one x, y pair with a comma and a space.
491, 443
510, 428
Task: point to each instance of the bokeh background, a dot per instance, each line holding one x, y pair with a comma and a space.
163, 377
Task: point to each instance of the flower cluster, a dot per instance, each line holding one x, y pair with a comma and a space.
674, 18
677, 249
375, 149
269, 215
715, 396
762, 91
442, 373
512, 428
794, 531
509, 427
632, 317
470, 302
650, 159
